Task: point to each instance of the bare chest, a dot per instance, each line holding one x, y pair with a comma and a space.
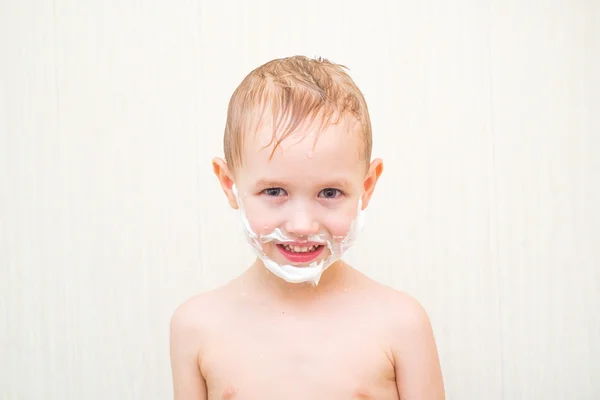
291, 359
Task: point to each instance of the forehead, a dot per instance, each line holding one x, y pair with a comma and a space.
308, 153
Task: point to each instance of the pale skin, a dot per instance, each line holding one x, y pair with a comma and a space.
259, 337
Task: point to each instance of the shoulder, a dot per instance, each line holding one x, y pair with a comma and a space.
401, 310
191, 320
414, 349
407, 313
407, 321
189, 314
404, 316
189, 325
197, 310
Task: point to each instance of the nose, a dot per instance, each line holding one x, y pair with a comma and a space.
302, 223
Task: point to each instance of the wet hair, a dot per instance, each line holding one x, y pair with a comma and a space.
291, 93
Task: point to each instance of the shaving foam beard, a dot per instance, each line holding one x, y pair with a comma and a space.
311, 273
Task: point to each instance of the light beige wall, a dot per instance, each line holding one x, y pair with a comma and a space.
486, 115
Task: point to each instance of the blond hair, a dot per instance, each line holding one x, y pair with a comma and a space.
298, 90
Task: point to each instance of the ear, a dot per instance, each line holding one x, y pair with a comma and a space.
375, 170
223, 173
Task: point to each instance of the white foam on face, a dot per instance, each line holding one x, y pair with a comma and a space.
311, 273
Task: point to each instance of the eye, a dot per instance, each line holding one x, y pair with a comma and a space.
275, 192
330, 193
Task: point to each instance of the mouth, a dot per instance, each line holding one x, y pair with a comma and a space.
297, 253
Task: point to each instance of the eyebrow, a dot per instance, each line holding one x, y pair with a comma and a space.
269, 183
329, 183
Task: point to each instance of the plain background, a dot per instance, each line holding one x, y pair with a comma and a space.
487, 117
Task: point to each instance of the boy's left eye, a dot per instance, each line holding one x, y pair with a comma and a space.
330, 193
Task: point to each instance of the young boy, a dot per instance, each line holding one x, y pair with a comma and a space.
300, 323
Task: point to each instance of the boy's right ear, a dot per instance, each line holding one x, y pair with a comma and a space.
221, 170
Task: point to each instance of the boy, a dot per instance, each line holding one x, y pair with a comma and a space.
300, 323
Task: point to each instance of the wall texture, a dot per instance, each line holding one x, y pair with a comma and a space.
487, 117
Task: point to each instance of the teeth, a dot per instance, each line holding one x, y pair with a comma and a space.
300, 249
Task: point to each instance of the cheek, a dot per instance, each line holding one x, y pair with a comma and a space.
261, 223
339, 224
260, 219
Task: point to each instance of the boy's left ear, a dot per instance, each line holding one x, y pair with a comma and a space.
375, 170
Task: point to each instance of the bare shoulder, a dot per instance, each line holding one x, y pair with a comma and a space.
405, 312
188, 315
189, 327
413, 345
194, 315
194, 321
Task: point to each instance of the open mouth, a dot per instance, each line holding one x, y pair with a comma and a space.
300, 253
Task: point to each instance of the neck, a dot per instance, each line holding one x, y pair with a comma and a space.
333, 280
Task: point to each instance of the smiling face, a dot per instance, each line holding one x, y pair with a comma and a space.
304, 194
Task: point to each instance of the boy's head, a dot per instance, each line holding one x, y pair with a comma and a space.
297, 161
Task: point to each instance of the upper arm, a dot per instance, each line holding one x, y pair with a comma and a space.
417, 365
188, 382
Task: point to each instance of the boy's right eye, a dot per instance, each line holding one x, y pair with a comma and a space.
274, 192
